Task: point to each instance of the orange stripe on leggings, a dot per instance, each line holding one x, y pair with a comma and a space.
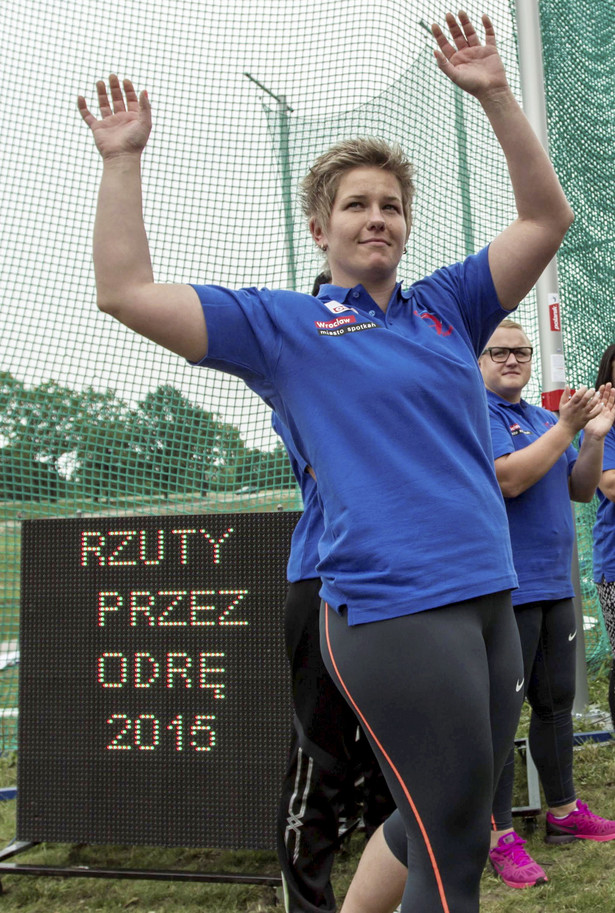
434, 864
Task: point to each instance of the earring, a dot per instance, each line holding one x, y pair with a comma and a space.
405, 250
324, 248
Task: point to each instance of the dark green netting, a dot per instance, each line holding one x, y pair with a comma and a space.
578, 43
94, 420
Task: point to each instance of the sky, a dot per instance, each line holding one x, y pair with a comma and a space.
213, 204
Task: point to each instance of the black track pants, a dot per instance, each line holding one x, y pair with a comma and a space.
325, 759
548, 632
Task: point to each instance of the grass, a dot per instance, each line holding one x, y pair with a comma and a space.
581, 878
12, 512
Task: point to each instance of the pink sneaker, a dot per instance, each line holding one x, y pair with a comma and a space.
513, 865
581, 824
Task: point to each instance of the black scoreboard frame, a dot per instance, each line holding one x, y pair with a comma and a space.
154, 696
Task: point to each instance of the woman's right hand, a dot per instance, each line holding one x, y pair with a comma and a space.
579, 408
125, 127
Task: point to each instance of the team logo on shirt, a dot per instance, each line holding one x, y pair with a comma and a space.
334, 324
342, 325
437, 323
517, 429
336, 308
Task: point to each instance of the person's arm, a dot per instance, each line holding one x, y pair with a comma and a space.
607, 484
521, 252
171, 315
586, 472
519, 470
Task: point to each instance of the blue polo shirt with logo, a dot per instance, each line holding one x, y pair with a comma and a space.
303, 556
541, 525
604, 528
390, 409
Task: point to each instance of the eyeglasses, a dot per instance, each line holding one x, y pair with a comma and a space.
501, 354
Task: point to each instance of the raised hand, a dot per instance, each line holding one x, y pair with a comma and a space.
579, 408
601, 424
125, 125
474, 67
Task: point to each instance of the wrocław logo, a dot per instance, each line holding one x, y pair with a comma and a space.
333, 324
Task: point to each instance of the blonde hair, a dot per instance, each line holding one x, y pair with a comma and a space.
319, 186
508, 324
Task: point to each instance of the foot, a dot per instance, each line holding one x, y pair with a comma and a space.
513, 865
581, 824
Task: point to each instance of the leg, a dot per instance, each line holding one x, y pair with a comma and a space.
321, 764
551, 694
507, 856
606, 595
308, 811
378, 883
374, 792
529, 622
426, 710
307, 833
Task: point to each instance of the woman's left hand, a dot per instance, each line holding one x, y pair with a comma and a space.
599, 426
474, 67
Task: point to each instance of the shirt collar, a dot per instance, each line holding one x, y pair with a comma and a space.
329, 292
521, 406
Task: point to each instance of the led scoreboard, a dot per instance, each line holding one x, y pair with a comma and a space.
154, 703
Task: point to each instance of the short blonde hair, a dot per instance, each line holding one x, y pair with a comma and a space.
319, 186
508, 324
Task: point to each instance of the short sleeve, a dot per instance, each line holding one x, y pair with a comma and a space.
470, 293
242, 333
501, 438
608, 460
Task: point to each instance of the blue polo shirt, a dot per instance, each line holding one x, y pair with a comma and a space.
306, 534
541, 526
390, 409
604, 527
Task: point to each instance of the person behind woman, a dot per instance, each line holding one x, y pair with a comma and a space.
417, 627
539, 471
604, 528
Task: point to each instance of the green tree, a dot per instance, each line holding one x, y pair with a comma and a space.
24, 478
182, 446
265, 468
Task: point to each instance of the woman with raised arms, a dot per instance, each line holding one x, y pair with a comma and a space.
380, 390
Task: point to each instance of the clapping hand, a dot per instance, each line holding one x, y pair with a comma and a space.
601, 424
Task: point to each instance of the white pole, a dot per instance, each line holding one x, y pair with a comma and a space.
547, 295
547, 288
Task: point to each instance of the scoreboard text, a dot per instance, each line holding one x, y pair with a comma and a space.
154, 694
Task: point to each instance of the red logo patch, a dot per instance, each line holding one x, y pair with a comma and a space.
436, 322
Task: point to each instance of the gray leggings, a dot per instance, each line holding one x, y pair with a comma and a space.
438, 693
